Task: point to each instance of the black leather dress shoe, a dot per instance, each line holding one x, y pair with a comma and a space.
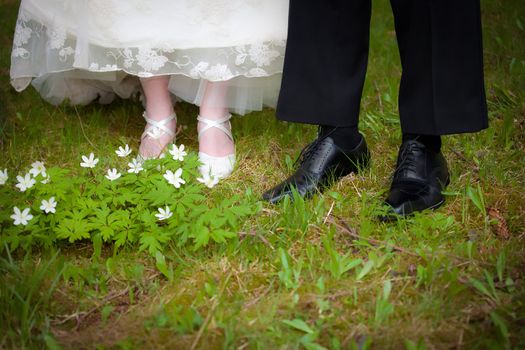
420, 176
321, 163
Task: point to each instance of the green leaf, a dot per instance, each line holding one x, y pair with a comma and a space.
51, 343
476, 196
217, 222
519, 24
480, 287
160, 196
148, 219
231, 218
97, 245
365, 270
284, 259
500, 266
410, 345
202, 236
490, 282
348, 265
162, 266
106, 312
127, 235
500, 323
313, 346
111, 265
383, 309
320, 285
299, 324
74, 227
387, 288
106, 233
149, 241
126, 195
221, 235
101, 214
241, 210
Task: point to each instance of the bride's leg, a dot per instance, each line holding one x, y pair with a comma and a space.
158, 108
214, 141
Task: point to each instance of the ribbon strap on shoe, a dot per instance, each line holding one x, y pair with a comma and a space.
215, 124
157, 128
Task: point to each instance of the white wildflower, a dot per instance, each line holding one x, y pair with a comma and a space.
174, 179
208, 180
89, 162
21, 217
38, 168
25, 182
164, 214
135, 166
123, 151
113, 174
49, 206
3, 177
178, 153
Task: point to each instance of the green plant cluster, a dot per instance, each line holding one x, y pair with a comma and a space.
123, 212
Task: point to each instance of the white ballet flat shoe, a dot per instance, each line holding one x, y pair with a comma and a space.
218, 167
155, 130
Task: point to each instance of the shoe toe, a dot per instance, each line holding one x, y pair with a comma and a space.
219, 167
303, 184
277, 194
405, 202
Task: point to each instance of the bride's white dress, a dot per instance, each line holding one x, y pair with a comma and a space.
82, 50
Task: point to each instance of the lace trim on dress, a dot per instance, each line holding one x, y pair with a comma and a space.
62, 52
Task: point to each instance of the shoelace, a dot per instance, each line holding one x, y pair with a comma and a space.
407, 158
312, 149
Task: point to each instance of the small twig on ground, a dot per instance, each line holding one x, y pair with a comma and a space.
254, 301
258, 235
462, 158
243, 346
80, 316
355, 187
375, 242
329, 212
364, 287
269, 211
461, 333
459, 155
353, 233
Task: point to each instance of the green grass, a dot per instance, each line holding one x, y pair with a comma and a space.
303, 274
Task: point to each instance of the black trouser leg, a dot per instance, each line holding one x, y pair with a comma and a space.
325, 63
442, 88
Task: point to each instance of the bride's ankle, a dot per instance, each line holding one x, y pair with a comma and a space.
159, 133
213, 140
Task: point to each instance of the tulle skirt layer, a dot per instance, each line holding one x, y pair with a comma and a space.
85, 50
